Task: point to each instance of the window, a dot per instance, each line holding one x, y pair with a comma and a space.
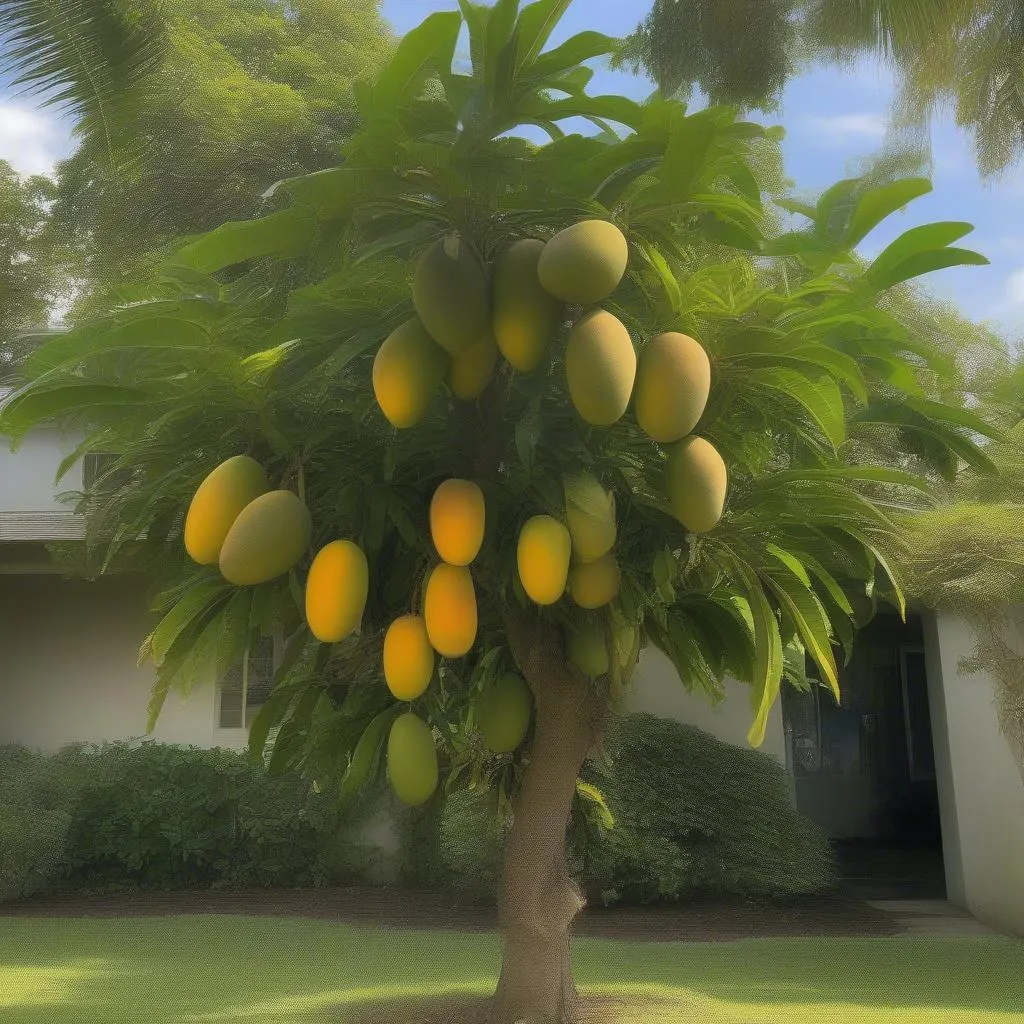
241, 695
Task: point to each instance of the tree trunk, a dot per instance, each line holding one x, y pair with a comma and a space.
538, 901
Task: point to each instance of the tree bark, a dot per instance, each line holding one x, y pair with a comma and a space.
538, 900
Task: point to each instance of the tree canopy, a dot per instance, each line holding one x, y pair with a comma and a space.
945, 53
832, 416
28, 276
184, 129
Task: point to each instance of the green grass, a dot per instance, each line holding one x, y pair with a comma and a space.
186, 970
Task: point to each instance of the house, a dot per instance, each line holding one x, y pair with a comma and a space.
911, 769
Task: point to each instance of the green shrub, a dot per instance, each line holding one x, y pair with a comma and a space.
163, 816
693, 816
696, 816
36, 799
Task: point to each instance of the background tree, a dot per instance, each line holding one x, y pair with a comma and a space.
197, 109
966, 56
264, 337
28, 277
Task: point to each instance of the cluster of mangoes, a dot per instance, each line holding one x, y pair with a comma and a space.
255, 534
467, 315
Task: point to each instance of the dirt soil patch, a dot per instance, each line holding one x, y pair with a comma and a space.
689, 921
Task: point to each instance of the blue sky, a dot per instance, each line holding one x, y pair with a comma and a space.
832, 118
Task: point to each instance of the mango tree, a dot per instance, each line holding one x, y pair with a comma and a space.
488, 415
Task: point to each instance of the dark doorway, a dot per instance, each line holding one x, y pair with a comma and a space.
864, 769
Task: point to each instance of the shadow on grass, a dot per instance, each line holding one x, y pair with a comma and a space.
210, 970
457, 1009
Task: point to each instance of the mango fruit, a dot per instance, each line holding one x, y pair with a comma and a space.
336, 590
524, 316
600, 367
457, 521
584, 263
590, 514
412, 760
408, 657
449, 609
673, 382
587, 649
595, 584
407, 370
217, 503
696, 480
269, 536
471, 371
451, 294
542, 557
503, 713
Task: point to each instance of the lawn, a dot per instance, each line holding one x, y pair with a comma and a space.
264, 970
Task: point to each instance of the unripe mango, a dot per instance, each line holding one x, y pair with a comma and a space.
471, 371
407, 370
269, 536
587, 649
600, 367
217, 503
584, 263
412, 760
503, 713
673, 382
449, 609
590, 513
524, 316
594, 584
408, 657
543, 559
336, 590
457, 521
696, 480
451, 294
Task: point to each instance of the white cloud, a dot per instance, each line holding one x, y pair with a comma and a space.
845, 129
31, 141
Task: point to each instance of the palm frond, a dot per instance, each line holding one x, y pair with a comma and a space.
92, 57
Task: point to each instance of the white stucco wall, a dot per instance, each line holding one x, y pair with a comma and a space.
658, 691
27, 475
69, 667
981, 790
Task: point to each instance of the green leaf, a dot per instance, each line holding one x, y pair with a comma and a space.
874, 206
366, 751
574, 51
269, 715
686, 155
429, 46
820, 397
41, 402
286, 233
869, 546
767, 653
527, 434
920, 239
659, 265
790, 562
189, 607
595, 797
811, 621
924, 263
536, 23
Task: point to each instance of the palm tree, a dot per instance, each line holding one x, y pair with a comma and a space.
92, 57
967, 55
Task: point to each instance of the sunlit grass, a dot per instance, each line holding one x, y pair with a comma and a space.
237, 970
